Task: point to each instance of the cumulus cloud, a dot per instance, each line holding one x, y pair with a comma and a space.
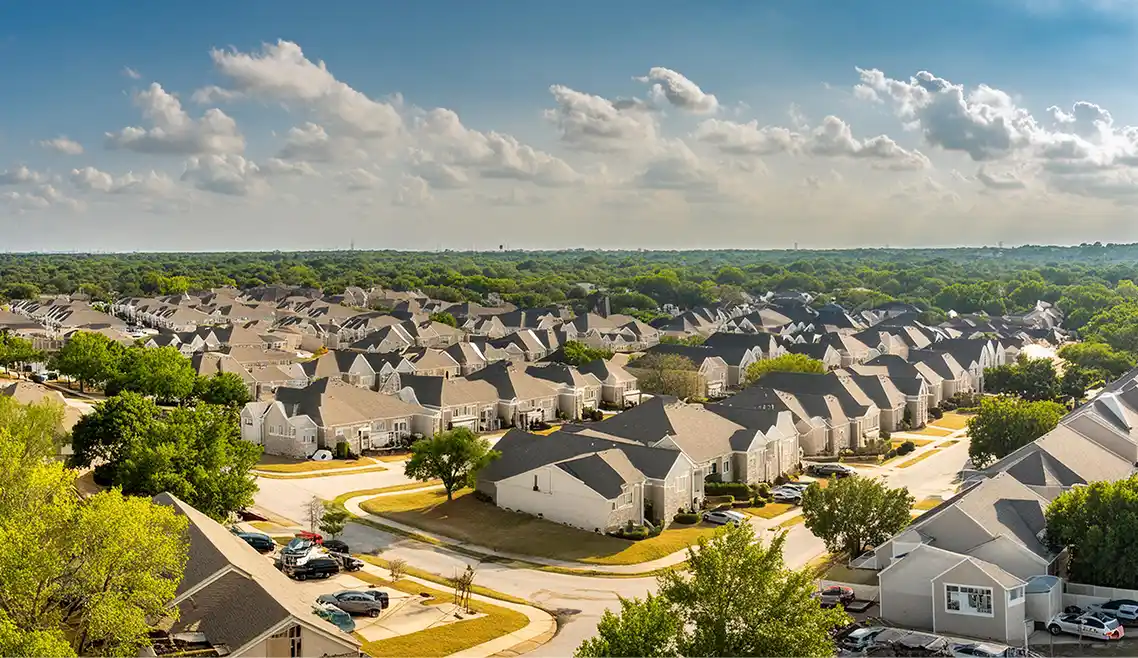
360, 179
281, 72
223, 174
594, 123
412, 191
748, 138
278, 167
63, 145
173, 131
999, 180
677, 168
672, 87
19, 176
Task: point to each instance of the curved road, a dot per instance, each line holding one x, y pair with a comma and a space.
579, 600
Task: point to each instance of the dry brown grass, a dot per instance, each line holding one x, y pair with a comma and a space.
467, 519
921, 457
954, 420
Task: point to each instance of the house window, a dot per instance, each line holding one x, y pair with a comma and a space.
714, 468
293, 635
1015, 596
965, 600
726, 465
249, 421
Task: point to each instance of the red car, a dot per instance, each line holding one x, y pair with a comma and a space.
314, 537
835, 594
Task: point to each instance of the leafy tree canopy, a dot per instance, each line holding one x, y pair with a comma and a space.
1030, 379
576, 353
1098, 525
853, 513
1005, 424
784, 363
454, 456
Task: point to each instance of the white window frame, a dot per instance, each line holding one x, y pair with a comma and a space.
1016, 596
967, 591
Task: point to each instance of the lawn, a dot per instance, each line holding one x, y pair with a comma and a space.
768, 511
394, 457
928, 503
467, 519
447, 639
843, 574
278, 465
792, 521
373, 468
269, 526
916, 442
922, 456
933, 430
954, 420
949, 443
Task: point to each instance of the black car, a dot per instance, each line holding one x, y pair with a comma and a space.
317, 567
832, 470
336, 546
347, 562
262, 542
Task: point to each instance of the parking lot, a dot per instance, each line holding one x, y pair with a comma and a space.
407, 613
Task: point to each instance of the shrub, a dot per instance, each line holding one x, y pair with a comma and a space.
906, 447
482, 496
891, 454
968, 410
686, 518
737, 489
714, 478
713, 501
758, 502
935, 413
343, 450
884, 435
561, 415
633, 534
947, 405
763, 489
743, 503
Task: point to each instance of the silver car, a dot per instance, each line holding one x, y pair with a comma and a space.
724, 517
356, 603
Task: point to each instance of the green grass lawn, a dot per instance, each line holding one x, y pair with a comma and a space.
768, 511
928, 503
917, 442
953, 420
469, 520
918, 458
933, 430
792, 521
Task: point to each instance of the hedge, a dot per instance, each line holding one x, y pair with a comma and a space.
906, 447
736, 489
686, 518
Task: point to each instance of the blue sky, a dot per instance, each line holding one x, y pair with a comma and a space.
493, 65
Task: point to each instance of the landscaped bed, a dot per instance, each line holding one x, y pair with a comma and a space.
279, 465
468, 519
916, 442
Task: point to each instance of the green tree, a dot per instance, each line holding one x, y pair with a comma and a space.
334, 519
852, 513
1030, 379
1005, 424
91, 572
41, 425
694, 339
784, 363
107, 434
162, 372
1076, 381
1098, 525
20, 291
224, 388
15, 350
1116, 325
443, 317
454, 457
195, 454
576, 353
735, 598
649, 628
668, 374
1098, 356
89, 358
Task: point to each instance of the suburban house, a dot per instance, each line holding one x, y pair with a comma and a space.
433, 362
880, 391
590, 482
850, 349
863, 415
619, 388
830, 357
374, 370
822, 425
717, 445
576, 391
974, 355
913, 379
296, 422
523, 399
240, 603
469, 357
956, 378
453, 402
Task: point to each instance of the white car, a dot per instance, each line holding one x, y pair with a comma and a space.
787, 495
724, 517
1093, 625
861, 639
1125, 610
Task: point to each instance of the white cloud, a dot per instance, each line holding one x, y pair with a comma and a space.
223, 174
20, 175
748, 138
173, 131
63, 145
999, 180
281, 72
412, 191
278, 167
678, 168
360, 179
131, 73
594, 123
674, 88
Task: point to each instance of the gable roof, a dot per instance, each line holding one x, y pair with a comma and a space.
701, 434
513, 383
446, 392
330, 402
522, 451
606, 472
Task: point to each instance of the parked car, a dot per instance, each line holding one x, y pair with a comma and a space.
357, 603
347, 562
331, 613
835, 470
724, 517
1125, 610
798, 486
1086, 625
981, 649
835, 594
786, 495
258, 540
324, 566
861, 639
336, 546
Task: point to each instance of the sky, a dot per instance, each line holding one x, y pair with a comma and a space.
130, 126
